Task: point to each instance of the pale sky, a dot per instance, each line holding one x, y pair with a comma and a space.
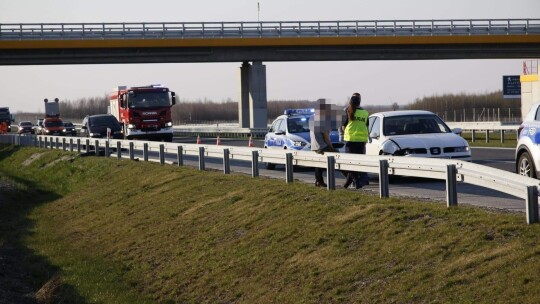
23, 88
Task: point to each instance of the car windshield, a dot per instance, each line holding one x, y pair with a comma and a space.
149, 100
298, 124
25, 124
104, 121
4, 114
68, 124
54, 123
414, 124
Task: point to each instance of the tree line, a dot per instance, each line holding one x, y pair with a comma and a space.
470, 107
459, 107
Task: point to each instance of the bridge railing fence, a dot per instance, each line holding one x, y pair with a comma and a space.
452, 171
345, 28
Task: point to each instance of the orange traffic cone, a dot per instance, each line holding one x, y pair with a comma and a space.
198, 139
250, 143
218, 141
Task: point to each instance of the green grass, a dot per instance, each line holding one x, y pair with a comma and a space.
510, 140
133, 232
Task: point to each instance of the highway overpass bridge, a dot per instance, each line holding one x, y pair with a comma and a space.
256, 42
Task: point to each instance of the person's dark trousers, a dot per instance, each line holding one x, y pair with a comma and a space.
319, 180
360, 178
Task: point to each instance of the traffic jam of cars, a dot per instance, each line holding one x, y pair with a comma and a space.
142, 112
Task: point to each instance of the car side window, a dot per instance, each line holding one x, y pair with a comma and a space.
375, 126
537, 117
280, 128
273, 128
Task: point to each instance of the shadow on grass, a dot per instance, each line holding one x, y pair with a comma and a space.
25, 275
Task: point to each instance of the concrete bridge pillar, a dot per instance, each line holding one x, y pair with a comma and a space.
252, 107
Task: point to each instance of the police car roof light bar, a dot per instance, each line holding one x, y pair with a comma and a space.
306, 111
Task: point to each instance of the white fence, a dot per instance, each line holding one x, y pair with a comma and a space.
452, 171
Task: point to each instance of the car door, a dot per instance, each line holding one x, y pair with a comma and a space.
375, 135
274, 137
281, 133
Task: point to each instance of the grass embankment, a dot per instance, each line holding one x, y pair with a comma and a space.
110, 231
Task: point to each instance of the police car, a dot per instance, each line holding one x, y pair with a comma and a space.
528, 146
291, 131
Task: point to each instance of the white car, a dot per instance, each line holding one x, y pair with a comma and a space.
415, 133
528, 149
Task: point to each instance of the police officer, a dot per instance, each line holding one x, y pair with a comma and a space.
355, 129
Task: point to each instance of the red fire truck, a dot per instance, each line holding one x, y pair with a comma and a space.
144, 112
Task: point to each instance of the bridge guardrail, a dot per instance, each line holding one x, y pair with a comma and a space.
276, 29
452, 171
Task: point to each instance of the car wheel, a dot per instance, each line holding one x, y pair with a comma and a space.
525, 166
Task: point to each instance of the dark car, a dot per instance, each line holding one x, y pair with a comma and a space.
69, 129
25, 127
96, 126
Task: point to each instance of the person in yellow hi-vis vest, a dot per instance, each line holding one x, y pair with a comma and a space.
355, 135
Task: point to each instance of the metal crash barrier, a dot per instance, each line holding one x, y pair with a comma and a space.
451, 171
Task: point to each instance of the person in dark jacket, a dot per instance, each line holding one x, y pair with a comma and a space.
319, 131
355, 135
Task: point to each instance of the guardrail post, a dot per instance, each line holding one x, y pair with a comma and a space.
96, 147
71, 145
87, 145
131, 151
532, 204
384, 181
330, 173
254, 163
119, 149
40, 143
201, 158
179, 156
487, 136
63, 143
451, 185
502, 136
473, 136
57, 143
78, 145
162, 154
145, 152
289, 168
107, 148
226, 161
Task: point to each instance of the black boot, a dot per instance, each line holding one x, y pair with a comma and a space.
320, 184
348, 182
